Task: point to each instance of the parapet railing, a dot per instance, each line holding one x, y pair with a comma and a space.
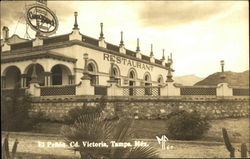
167, 90
58, 90
198, 90
240, 91
100, 90
10, 91
141, 91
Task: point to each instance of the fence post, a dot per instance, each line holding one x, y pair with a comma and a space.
164, 90
173, 90
34, 88
113, 89
85, 87
170, 90
224, 90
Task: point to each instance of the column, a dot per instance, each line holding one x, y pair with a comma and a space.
23, 80
47, 78
34, 88
3, 84
85, 88
71, 79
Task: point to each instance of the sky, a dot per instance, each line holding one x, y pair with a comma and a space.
199, 34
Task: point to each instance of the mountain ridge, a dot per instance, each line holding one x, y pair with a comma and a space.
235, 79
187, 80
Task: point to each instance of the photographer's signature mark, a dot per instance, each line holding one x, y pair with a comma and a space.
162, 140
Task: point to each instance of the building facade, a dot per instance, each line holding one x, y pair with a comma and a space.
59, 60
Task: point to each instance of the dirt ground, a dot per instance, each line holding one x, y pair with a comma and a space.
210, 146
181, 149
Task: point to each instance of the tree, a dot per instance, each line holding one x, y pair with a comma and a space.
15, 108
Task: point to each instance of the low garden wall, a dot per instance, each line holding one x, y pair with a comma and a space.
55, 107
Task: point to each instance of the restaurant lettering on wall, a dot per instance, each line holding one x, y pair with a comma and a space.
127, 62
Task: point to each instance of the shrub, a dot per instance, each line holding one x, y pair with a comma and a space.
15, 112
92, 128
183, 125
76, 112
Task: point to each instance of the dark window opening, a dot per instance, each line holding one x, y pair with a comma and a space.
56, 75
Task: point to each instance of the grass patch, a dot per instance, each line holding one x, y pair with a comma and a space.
238, 129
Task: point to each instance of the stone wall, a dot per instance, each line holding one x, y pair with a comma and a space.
54, 108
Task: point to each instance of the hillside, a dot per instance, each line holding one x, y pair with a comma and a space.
187, 80
238, 79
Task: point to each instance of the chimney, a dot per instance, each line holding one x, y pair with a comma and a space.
5, 33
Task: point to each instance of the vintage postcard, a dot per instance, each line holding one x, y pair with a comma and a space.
124, 79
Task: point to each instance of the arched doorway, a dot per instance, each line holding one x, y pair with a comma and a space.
12, 77
39, 72
132, 78
92, 70
60, 75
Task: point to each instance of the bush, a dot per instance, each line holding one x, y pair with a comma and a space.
76, 112
15, 112
183, 125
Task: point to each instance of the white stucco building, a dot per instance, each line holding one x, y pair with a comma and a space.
58, 60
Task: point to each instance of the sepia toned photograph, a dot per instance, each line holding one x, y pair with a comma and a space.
124, 79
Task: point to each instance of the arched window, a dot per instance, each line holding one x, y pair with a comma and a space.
115, 72
132, 78
160, 80
147, 79
132, 74
93, 73
91, 67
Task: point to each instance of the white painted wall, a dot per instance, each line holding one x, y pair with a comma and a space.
77, 52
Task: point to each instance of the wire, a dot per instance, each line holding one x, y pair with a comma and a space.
26, 35
17, 23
